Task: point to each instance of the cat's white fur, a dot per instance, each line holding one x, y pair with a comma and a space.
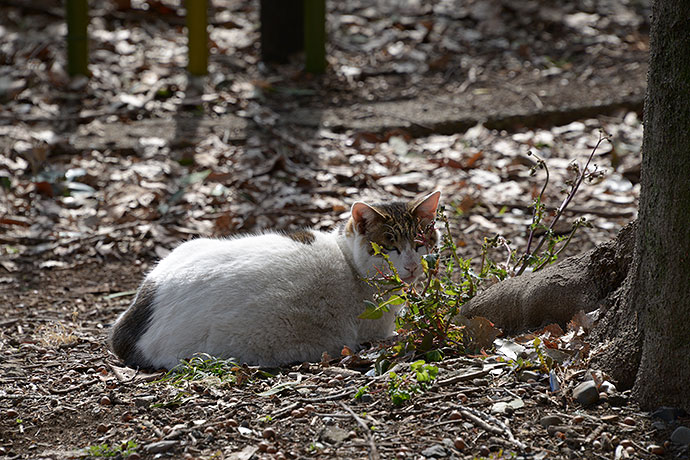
265, 299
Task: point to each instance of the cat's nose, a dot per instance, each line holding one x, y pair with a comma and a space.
411, 268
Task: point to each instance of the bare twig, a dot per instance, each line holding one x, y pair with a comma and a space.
373, 452
561, 209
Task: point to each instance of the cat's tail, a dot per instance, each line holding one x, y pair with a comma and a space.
131, 325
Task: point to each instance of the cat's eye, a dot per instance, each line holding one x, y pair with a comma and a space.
391, 248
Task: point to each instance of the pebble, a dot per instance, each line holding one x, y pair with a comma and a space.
105, 401
268, 433
102, 428
626, 443
608, 388
160, 447
231, 423
459, 444
436, 451
655, 449
462, 397
586, 393
263, 446
596, 444
133, 456
629, 421
550, 420
126, 417
11, 413
578, 419
484, 451
480, 382
271, 450
681, 435
366, 398
455, 415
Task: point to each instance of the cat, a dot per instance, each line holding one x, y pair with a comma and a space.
273, 298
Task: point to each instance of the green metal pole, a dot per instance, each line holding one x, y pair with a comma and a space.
315, 35
77, 12
197, 46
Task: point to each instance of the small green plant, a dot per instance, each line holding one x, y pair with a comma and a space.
402, 388
361, 391
206, 369
428, 324
103, 450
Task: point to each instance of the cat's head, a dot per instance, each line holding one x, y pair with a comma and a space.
404, 230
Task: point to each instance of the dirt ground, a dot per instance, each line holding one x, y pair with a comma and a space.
102, 177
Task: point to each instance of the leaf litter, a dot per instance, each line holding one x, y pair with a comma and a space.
93, 193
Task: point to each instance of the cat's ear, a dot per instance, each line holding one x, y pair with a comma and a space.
425, 208
363, 215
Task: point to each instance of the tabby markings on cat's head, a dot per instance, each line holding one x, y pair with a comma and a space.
405, 230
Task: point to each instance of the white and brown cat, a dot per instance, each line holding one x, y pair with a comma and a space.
273, 298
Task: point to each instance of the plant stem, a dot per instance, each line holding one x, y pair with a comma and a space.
563, 206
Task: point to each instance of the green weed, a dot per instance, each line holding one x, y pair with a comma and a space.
401, 388
206, 369
103, 450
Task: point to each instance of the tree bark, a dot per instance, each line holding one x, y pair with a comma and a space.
644, 332
660, 295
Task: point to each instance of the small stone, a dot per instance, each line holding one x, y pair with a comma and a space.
626, 443
144, 401
102, 428
459, 444
268, 433
608, 388
126, 417
279, 456
210, 430
133, 456
309, 408
366, 398
160, 447
11, 413
455, 415
578, 419
105, 401
629, 421
435, 451
596, 444
231, 423
462, 397
334, 435
603, 397
550, 420
480, 382
484, 451
630, 450
271, 450
655, 449
263, 446
681, 435
526, 376
586, 393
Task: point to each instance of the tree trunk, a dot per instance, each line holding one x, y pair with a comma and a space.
645, 326
660, 295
